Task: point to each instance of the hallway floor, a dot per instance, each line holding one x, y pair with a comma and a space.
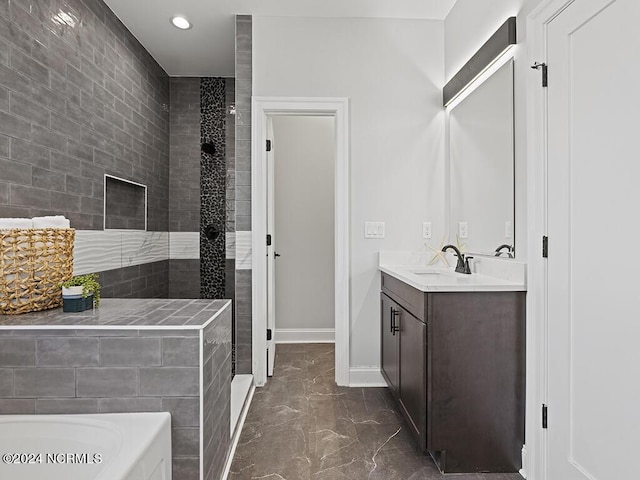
302, 426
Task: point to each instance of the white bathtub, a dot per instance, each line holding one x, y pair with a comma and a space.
108, 446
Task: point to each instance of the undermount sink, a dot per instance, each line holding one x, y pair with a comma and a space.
428, 271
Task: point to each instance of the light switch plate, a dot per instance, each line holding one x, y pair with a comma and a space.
426, 229
463, 230
374, 230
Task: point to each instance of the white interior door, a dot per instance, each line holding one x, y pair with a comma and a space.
304, 229
592, 277
271, 252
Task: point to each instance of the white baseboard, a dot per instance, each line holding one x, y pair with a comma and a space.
523, 470
366, 377
305, 335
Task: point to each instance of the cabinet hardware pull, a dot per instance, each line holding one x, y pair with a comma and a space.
394, 328
391, 319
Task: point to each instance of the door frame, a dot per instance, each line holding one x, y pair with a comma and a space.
262, 108
537, 320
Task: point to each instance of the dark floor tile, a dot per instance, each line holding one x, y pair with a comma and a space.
302, 426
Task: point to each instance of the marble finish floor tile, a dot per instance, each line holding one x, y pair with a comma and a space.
301, 426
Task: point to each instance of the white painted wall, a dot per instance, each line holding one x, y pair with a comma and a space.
304, 160
392, 72
469, 24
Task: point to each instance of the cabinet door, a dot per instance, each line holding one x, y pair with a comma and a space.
389, 340
413, 370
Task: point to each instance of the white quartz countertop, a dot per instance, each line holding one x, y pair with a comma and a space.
442, 279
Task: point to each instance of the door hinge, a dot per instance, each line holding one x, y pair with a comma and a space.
268, 145
545, 70
545, 246
544, 416
268, 240
268, 334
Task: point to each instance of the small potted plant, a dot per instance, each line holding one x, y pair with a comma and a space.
80, 293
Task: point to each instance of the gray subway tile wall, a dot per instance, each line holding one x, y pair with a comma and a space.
184, 176
217, 394
242, 305
149, 280
185, 411
180, 351
42, 382
62, 406
184, 278
139, 352
76, 103
243, 112
243, 321
6, 382
230, 153
107, 382
17, 352
67, 351
124, 405
30, 387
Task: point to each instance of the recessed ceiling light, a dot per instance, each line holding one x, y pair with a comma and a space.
181, 22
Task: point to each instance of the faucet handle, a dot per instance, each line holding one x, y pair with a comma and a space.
467, 268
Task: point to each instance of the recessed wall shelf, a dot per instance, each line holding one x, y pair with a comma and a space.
125, 204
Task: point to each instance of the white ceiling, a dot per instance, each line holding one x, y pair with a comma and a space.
208, 48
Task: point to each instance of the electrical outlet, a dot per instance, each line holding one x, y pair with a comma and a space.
508, 229
463, 230
374, 230
426, 229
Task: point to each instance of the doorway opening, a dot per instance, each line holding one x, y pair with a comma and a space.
300, 220
264, 248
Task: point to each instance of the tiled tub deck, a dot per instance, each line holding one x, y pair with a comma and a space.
129, 355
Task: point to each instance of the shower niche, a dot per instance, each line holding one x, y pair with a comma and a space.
125, 204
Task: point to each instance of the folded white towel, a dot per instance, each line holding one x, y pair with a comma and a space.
11, 223
57, 221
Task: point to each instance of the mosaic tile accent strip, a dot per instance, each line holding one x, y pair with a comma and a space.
212, 187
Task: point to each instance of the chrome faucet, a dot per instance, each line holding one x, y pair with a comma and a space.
499, 250
462, 265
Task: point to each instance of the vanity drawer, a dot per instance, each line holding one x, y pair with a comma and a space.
412, 299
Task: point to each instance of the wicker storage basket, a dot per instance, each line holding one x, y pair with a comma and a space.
33, 264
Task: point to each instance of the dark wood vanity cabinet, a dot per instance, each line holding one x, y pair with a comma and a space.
404, 350
455, 362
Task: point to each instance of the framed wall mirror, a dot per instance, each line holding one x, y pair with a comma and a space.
479, 103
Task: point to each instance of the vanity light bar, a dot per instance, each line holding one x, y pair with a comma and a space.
488, 53
503, 58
